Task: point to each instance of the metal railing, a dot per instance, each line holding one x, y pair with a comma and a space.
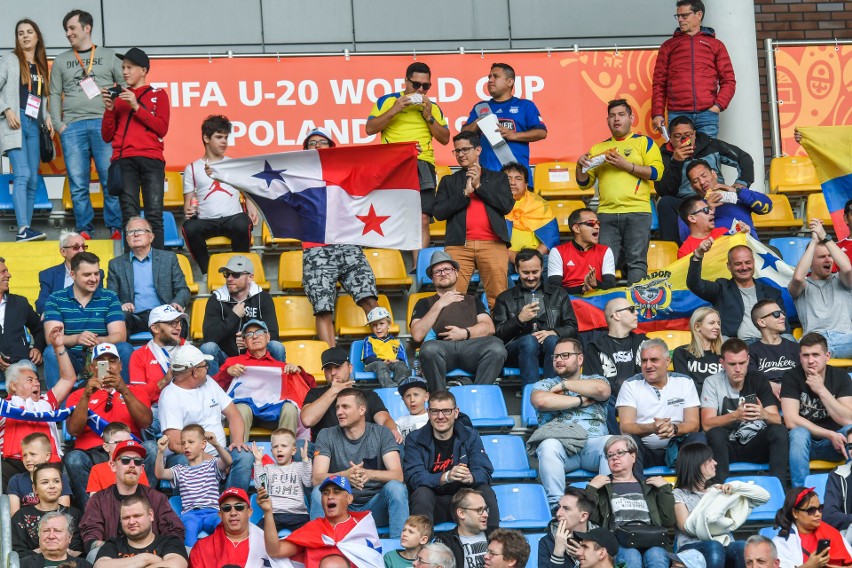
8, 557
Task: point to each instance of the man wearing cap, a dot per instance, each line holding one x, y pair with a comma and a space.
236, 541
287, 382
455, 329
230, 306
135, 122
107, 396
319, 411
598, 548
310, 543
692, 558
192, 398
102, 518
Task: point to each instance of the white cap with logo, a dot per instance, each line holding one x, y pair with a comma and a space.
187, 356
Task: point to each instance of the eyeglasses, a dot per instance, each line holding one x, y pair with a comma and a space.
228, 274
460, 151
564, 356
108, 406
444, 411
125, 460
201, 366
236, 506
175, 323
489, 552
418, 85
418, 560
77, 247
317, 143
683, 16
442, 271
706, 210
134, 232
250, 334
776, 314
478, 510
619, 454
631, 309
684, 135
811, 511
591, 223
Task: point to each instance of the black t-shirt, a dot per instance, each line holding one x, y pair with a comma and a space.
810, 406
698, 368
163, 544
25, 89
25, 529
443, 455
616, 359
329, 419
461, 314
773, 360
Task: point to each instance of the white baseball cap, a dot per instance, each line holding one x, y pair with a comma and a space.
186, 356
377, 314
105, 349
164, 314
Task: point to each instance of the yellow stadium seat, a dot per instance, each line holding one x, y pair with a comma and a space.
438, 229
822, 465
173, 196
843, 363
196, 319
672, 337
350, 319
556, 179
308, 355
295, 317
563, 209
218, 242
215, 279
269, 241
95, 193
388, 268
187, 272
781, 217
412, 301
661, 254
817, 209
793, 174
797, 333
290, 270
441, 171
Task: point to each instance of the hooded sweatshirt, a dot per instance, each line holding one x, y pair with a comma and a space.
221, 324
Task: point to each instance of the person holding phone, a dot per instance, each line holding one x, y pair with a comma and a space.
805, 541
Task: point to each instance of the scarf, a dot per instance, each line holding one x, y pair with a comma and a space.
533, 215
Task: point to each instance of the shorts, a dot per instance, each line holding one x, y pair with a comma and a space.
323, 267
426, 173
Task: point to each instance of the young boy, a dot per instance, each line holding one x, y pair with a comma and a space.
285, 480
35, 449
102, 475
382, 353
198, 482
416, 532
415, 393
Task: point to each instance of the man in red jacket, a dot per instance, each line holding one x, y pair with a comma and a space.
693, 76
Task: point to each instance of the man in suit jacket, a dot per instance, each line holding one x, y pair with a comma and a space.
732, 297
21, 331
145, 277
58, 277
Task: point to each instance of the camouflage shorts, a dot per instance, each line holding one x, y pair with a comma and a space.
323, 267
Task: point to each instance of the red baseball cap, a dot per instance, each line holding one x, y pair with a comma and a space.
128, 446
234, 492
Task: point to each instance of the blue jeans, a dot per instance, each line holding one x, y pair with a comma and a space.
81, 142
803, 449
239, 476
25, 161
651, 558
554, 462
51, 365
527, 353
718, 556
389, 506
197, 520
705, 121
839, 343
276, 349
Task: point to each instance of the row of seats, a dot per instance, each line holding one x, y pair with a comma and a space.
782, 218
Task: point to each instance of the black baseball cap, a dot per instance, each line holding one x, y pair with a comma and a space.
410, 383
334, 356
137, 56
604, 538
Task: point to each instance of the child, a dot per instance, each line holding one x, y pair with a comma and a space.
197, 482
102, 475
416, 532
383, 354
415, 392
35, 450
285, 480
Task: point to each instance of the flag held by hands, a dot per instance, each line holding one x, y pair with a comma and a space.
830, 151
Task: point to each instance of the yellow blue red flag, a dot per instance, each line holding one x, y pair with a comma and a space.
830, 151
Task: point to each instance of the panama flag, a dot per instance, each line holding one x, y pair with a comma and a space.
356, 195
830, 151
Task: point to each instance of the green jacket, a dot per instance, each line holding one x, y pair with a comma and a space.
660, 504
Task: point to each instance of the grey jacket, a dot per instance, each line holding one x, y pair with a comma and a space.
168, 278
10, 85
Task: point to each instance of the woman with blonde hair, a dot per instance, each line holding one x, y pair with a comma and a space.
701, 358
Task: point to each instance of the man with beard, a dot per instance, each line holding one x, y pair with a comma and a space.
582, 264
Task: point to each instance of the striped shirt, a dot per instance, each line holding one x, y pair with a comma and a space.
102, 310
199, 484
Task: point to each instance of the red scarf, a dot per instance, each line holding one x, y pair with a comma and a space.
839, 556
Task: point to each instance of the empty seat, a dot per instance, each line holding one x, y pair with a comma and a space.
438, 229
388, 268
186, 268
532, 540
290, 270
793, 174
562, 209
173, 195
672, 337
196, 319
295, 317
42, 201
557, 179
308, 355
791, 248
522, 506
350, 319
817, 209
6, 183
173, 237
661, 254
484, 405
392, 400
215, 279
528, 415
817, 481
508, 455
412, 301
766, 512
96, 193
780, 218
269, 241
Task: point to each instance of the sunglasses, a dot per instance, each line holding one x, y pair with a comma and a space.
812, 510
227, 274
631, 309
128, 460
683, 16
776, 314
77, 247
418, 85
109, 403
236, 506
592, 223
705, 210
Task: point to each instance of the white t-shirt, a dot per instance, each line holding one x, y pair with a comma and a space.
408, 423
215, 198
180, 407
651, 402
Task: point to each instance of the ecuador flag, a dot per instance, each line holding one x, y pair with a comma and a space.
830, 150
662, 299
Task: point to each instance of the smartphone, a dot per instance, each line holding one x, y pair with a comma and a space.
115, 91
263, 478
103, 369
750, 399
822, 545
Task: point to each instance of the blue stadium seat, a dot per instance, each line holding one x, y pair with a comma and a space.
580, 484
389, 544
422, 279
817, 481
765, 512
522, 506
173, 237
747, 467
358, 372
508, 456
6, 181
142, 336
791, 248
393, 402
441, 527
658, 470
768, 532
582, 474
532, 540
256, 511
484, 404
266, 447
42, 201
176, 504
528, 415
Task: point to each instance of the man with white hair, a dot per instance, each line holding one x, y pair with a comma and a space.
58, 277
760, 552
54, 538
437, 555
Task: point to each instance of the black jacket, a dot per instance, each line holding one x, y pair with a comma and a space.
715, 152
554, 301
453, 542
451, 204
221, 325
37, 561
726, 297
20, 316
838, 498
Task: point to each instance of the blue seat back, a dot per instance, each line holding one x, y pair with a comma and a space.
176, 503
42, 201
528, 415
256, 511
389, 544
655, 218
393, 402
791, 248
508, 456
765, 512
484, 404
523, 506
817, 481
423, 258
532, 540
6, 181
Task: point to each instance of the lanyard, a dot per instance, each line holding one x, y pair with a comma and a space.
91, 60
30, 80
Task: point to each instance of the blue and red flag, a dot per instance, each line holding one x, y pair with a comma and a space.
830, 151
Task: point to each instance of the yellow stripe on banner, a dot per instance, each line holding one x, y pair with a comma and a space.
830, 150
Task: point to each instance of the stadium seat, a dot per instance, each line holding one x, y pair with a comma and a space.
307, 354
186, 267
6, 182
781, 217
392, 400
358, 372
508, 455
438, 229
817, 481
218, 242
256, 511
441, 171
290, 271
42, 201
269, 241
765, 512
792, 174
528, 415
769, 532
658, 470
484, 404
655, 218
557, 180
522, 506
817, 209
215, 279
423, 258
823, 465
563, 209
388, 268
176, 503
672, 337
791, 248
581, 484
141, 337
196, 319
389, 544
173, 196
95, 193
412, 301
350, 319
661, 254
173, 237
295, 317
747, 467
532, 540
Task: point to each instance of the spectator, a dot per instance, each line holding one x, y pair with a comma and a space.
319, 411
213, 208
837, 498
77, 111
455, 329
146, 278
411, 116
531, 221
414, 391
632, 162
761, 551
732, 297
22, 333
700, 222
54, 539
437, 555
816, 403
846, 244
102, 476
383, 354
507, 548
474, 201
230, 307
773, 355
444, 459
598, 549
284, 480
571, 411
58, 277
416, 533
89, 316
102, 517
658, 409
518, 121
615, 356
701, 358
35, 451
684, 146
582, 264
558, 548
192, 398
335, 561
135, 122
823, 299
531, 317
688, 559
468, 540
693, 75
19, 133
802, 528
622, 497
111, 399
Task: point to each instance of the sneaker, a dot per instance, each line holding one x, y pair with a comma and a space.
86, 236
115, 235
27, 234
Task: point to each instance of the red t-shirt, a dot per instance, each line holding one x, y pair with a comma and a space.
478, 225
213, 551
102, 476
691, 243
145, 370
13, 431
846, 246
119, 413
